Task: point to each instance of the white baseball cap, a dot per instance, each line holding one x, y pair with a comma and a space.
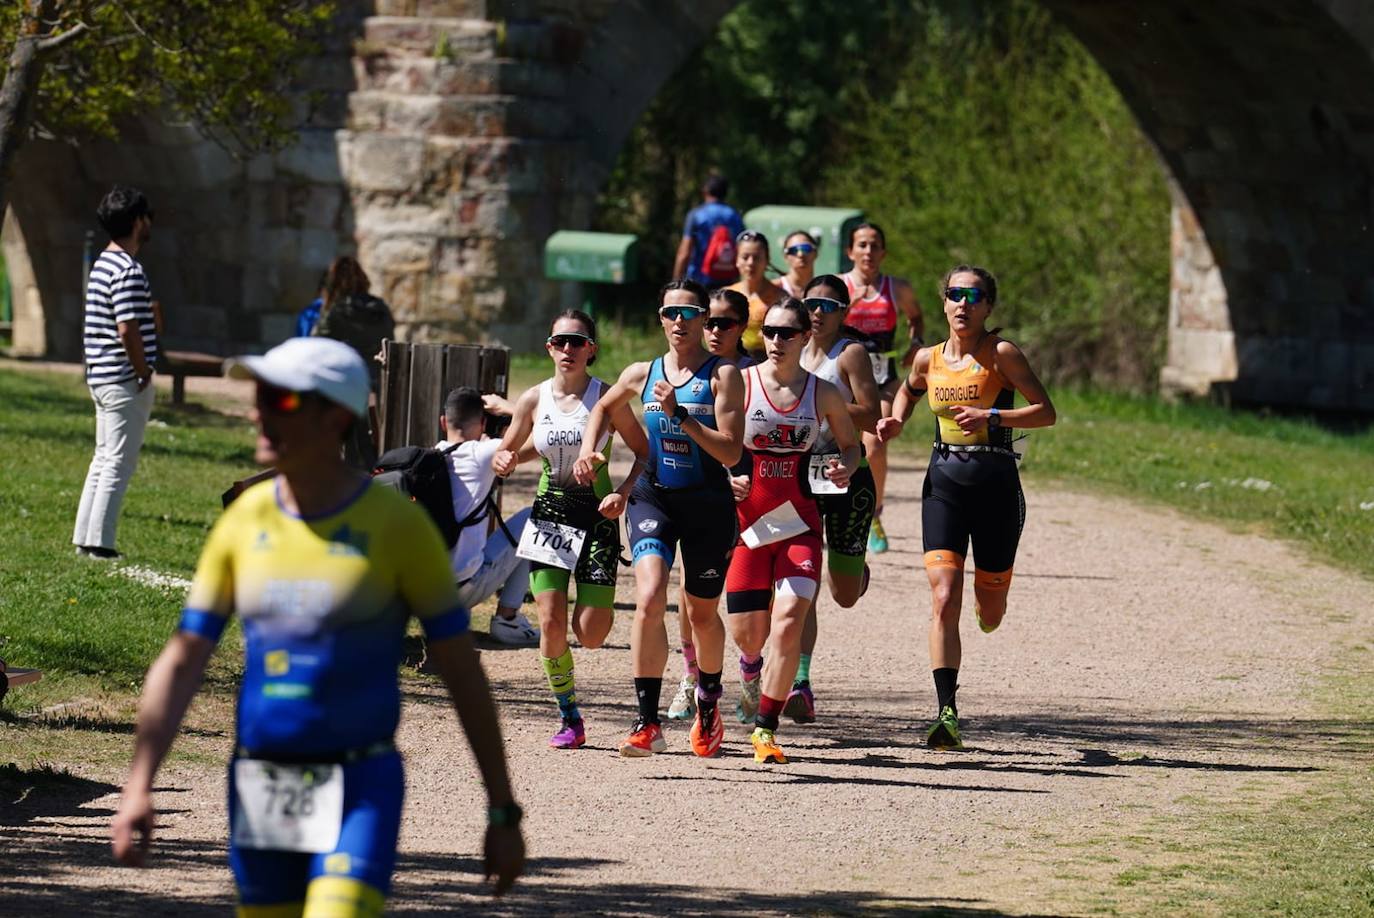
323, 365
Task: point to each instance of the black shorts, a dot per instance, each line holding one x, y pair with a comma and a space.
847, 519
701, 520
576, 506
974, 497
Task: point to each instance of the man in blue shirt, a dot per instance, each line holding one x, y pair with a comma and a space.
700, 238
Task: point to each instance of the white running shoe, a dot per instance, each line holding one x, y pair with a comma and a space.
684, 706
515, 631
748, 700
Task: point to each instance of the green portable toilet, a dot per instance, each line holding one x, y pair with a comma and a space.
830, 226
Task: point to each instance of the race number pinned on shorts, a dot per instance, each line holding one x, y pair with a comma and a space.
881, 363
816, 475
287, 807
551, 543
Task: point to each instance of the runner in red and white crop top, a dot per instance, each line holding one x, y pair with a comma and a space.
875, 303
775, 569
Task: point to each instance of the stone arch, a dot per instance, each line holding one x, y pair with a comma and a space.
1263, 117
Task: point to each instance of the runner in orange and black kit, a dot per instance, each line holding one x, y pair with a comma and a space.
972, 490
776, 568
875, 302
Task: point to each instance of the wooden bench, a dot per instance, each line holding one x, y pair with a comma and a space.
181, 364
10, 677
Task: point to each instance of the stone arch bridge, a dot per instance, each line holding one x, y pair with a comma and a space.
457, 134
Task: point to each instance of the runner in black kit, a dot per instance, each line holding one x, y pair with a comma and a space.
972, 490
693, 413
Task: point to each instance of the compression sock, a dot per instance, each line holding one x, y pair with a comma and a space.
803, 669
689, 659
769, 711
708, 691
647, 690
750, 666
946, 684
560, 673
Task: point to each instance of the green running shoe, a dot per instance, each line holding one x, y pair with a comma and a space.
944, 734
877, 537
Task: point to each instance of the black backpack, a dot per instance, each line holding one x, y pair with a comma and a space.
421, 474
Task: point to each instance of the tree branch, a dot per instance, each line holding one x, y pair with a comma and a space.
53, 42
139, 29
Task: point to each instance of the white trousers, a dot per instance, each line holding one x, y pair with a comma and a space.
121, 417
501, 570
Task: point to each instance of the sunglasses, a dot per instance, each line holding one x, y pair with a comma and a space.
278, 400
685, 313
971, 295
824, 303
751, 236
781, 332
572, 340
721, 323
801, 248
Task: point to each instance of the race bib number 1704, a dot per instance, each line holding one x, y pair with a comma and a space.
551, 543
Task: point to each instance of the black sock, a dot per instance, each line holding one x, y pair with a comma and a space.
946, 684
766, 721
708, 686
647, 690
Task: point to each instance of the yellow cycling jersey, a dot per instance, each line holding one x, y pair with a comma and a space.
324, 602
977, 385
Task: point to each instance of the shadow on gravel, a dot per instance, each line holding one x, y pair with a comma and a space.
440, 884
37, 868
1300, 737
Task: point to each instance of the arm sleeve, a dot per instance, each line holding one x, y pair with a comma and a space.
425, 579
210, 601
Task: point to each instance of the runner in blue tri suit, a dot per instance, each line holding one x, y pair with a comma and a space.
693, 413
324, 569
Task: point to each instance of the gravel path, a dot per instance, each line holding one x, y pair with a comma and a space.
1148, 664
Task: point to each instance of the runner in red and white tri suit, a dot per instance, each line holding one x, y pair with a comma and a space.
776, 567
876, 300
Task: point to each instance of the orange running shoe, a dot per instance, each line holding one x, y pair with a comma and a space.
644, 739
766, 748
706, 740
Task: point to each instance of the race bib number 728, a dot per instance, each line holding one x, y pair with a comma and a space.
287, 807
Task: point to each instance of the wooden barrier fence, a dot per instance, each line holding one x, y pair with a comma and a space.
417, 377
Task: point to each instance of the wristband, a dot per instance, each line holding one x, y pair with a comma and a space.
505, 817
680, 413
911, 390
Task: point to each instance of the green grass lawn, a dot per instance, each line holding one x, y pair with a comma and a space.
95, 631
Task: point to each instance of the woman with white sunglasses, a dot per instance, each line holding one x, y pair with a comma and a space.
799, 249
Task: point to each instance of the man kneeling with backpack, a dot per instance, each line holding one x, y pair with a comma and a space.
483, 564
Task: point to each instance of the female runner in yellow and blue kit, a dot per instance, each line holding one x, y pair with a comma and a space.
972, 491
323, 568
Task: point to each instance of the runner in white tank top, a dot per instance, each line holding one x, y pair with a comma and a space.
844, 363
799, 251
554, 415
558, 434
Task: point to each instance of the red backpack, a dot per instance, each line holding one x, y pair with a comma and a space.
718, 261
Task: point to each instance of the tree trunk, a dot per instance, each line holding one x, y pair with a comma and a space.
17, 92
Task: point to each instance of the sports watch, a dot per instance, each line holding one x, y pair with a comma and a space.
680, 413
994, 418
506, 817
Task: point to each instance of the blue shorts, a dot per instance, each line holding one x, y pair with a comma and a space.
701, 521
374, 788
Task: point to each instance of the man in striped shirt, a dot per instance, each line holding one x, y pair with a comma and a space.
121, 344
